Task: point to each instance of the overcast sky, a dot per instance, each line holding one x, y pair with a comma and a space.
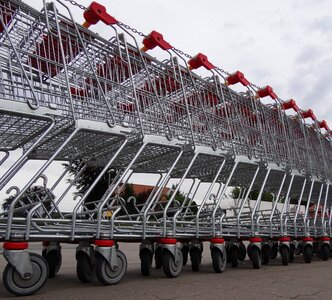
286, 43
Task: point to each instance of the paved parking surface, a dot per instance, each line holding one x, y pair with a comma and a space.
295, 281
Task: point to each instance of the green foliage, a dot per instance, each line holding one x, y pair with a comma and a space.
182, 199
253, 195
32, 196
87, 177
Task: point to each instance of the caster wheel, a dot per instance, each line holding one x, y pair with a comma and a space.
291, 253
307, 254
242, 252
218, 261
185, 253
284, 252
195, 257
228, 254
105, 274
298, 250
84, 268
325, 252
274, 251
146, 262
256, 257
158, 258
265, 254
234, 256
54, 260
19, 286
172, 267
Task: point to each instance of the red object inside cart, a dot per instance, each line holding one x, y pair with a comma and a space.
7, 12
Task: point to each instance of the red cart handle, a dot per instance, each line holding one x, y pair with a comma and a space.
290, 104
323, 124
267, 91
237, 77
95, 13
154, 39
200, 60
308, 114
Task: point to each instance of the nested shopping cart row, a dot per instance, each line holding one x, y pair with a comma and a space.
70, 95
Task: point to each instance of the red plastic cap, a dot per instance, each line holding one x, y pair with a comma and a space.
217, 240
166, 241
155, 39
323, 124
308, 114
255, 240
97, 12
15, 245
104, 243
200, 60
267, 91
237, 77
290, 104
307, 239
284, 239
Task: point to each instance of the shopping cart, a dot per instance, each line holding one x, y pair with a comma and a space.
68, 94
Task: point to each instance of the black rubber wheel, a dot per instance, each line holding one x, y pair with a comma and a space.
274, 251
54, 260
265, 254
234, 255
218, 261
158, 258
228, 254
325, 252
284, 252
256, 257
171, 267
195, 257
242, 252
291, 253
185, 253
307, 254
105, 274
146, 262
18, 286
84, 268
298, 250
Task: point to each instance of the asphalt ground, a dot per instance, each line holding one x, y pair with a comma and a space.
298, 280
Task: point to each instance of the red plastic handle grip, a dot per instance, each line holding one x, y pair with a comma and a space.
308, 114
291, 104
154, 39
95, 13
323, 124
267, 91
237, 77
200, 60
